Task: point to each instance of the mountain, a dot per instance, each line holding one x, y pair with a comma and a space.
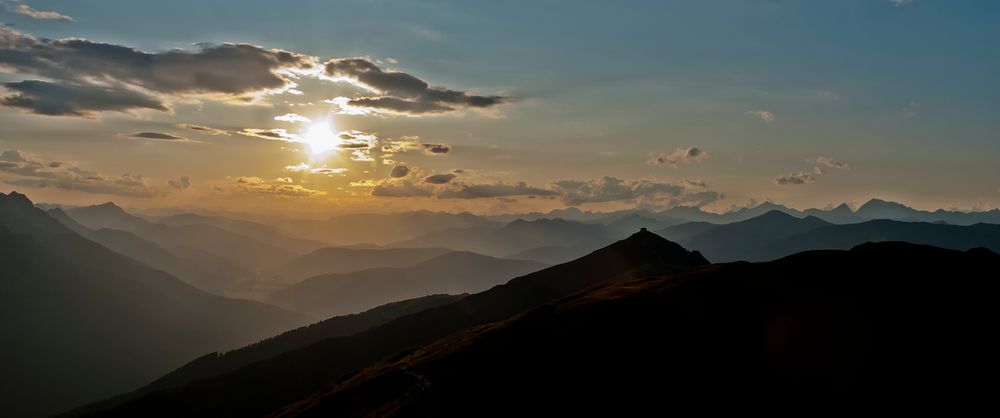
738, 240
834, 237
345, 260
197, 268
881, 209
841, 214
81, 322
517, 236
218, 363
450, 273
255, 230
883, 324
685, 230
379, 228
238, 249
263, 387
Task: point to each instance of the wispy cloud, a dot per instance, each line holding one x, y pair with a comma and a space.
23, 9
764, 115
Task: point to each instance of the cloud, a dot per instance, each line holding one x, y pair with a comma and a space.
648, 193
276, 134
763, 115
440, 178
436, 149
696, 183
792, 179
158, 136
900, 3
204, 129
109, 77
292, 117
278, 187
399, 171
831, 163
72, 99
23, 170
180, 184
495, 189
399, 92
679, 156
23, 9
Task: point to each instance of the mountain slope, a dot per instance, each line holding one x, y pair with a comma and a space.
72, 309
450, 273
876, 324
380, 228
255, 230
218, 363
263, 387
345, 260
737, 240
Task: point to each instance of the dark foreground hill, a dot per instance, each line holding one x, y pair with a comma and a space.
80, 322
266, 386
890, 323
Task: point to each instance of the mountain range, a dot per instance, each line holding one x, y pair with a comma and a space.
82, 322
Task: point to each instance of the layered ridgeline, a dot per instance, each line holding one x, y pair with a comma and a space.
81, 322
266, 386
333, 260
776, 234
450, 273
888, 323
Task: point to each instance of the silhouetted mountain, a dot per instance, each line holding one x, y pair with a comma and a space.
197, 268
517, 236
81, 322
380, 228
841, 214
263, 387
737, 240
837, 237
678, 233
255, 230
880, 209
238, 249
449, 273
891, 324
346, 260
218, 363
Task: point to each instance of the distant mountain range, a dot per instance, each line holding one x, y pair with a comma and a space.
777, 234
453, 272
265, 386
72, 308
333, 260
883, 324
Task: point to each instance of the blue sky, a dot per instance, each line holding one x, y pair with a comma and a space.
904, 94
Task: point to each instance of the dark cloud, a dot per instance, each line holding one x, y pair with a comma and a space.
436, 149
643, 192
496, 189
399, 171
72, 99
679, 156
23, 9
23, 171
792, 179
831, 163
401, 92
439, 178
180, 184
204, 129
159, 136
401, 188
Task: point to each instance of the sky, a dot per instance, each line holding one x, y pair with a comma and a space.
322, 107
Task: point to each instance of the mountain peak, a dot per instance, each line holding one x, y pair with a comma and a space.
15, 199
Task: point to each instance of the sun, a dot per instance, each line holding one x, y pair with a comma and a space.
320, 138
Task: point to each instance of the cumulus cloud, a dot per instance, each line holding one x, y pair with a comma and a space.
436, 149
399, 92
23, 9
399, 171
440, 178
293, 117
157, 136
679, 156
23, 170
763, 115
278, 187
647, 193
792, 179
74, 99
180, 184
